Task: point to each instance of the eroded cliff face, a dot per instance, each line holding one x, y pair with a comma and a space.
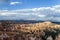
31, 27
28, 27
14, 29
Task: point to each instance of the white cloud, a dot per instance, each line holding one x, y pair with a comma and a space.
3, 14
14, 3
56, 6
42, 13
42, 16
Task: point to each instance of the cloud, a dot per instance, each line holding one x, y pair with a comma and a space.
3, 14
14, 3
57, 6
42, 16
42, 13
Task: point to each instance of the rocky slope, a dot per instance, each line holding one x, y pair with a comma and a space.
36, 26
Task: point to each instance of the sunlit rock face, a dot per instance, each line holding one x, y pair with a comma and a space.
34, 26
13, 29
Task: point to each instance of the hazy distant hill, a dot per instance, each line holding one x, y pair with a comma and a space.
26, 21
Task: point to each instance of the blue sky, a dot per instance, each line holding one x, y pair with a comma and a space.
30, 10
22, 4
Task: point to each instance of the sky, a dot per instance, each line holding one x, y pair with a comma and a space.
30, 10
